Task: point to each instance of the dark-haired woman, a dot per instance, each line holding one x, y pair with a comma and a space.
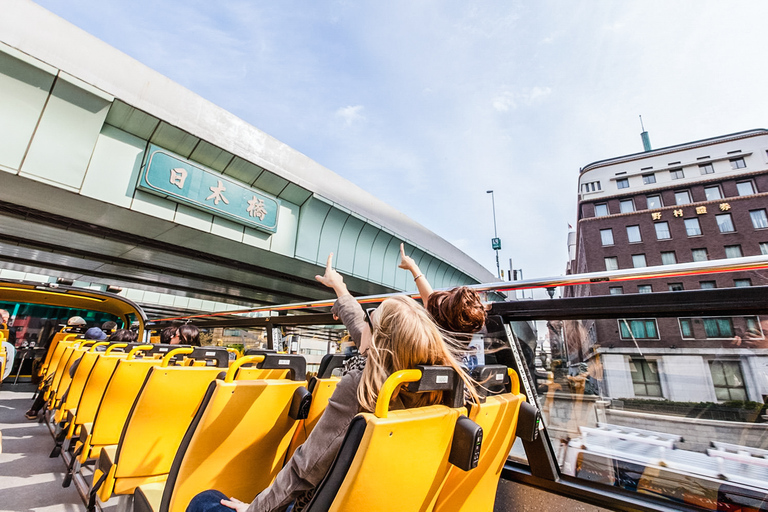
186, 334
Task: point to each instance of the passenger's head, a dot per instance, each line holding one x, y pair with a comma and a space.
94, 333
4, 316
109, 327
403, 336
166, 334
458, 311
76, 321
187, 334
123, 335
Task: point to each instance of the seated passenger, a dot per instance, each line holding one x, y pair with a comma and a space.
459, 312
186, 334
167, 334
123, 336
402, 336
109, 327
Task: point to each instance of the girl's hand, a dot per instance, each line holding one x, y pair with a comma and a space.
235, 504
333, 279
407, 263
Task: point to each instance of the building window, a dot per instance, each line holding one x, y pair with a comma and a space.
606, 236
601, 210
692, 227
713, 193
591, 187
654, 202
622, 183
649, 179
668, 258
682, 197
645, 377
742, 283
725, 223
707, 285
641, 329
733, 251
738, 163
676, 287
759, 220
699, 254
686, 328
662, 230
644, 288
763, 247
718, 327
728, 380
676, 174
616, 290
707, 169
638, 260
626, 206
745, 188
612, 263
633, 234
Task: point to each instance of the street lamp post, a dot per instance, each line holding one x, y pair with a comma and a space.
496, 241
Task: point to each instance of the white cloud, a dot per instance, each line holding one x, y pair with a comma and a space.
504, 102
507, 100
351, 114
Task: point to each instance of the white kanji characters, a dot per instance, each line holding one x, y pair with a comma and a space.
218, 194
678, 213
256, 208
701, 210
724, 207
178, 176
656, 216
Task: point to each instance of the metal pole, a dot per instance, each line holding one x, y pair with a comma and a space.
495, 233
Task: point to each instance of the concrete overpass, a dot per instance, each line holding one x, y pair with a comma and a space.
112, 174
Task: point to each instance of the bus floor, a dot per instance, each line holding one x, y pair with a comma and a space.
29, 479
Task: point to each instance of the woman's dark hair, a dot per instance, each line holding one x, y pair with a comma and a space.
189, 335
458, 311
123, 335
166, 334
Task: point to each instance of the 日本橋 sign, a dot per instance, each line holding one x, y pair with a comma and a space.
187, 183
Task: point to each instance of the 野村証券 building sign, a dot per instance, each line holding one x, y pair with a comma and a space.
184, 182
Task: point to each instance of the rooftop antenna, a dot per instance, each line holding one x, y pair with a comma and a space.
645, 137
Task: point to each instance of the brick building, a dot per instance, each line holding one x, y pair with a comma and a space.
698, 201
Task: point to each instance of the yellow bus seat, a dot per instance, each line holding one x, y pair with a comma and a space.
63, 378
80, 378
115, 405
53, 353
163, 409
236, 443
372, 470
322, 387
497, 415
53, 366
273, 366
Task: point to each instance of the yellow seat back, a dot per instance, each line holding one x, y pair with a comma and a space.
52, 354
95, 386
59, 364
322, 389
475, 490
237, 442
79, 380
118, 398
62, 378
391, 460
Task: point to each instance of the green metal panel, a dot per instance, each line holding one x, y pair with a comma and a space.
211, 156
363, 250
295, 194
440, 281
345, 257
193, 218
243, 170
257, 238
330, 234
23, 90
391, 259
131, 120
311, 221
378, 250
430, 269
284, 240
66, 135
173, 139
270, 182
114, 167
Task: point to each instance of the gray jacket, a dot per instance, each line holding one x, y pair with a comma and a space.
312, 460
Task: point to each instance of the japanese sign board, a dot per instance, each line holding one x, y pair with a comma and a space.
179, 180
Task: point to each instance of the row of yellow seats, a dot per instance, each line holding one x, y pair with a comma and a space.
227, 448
139, 447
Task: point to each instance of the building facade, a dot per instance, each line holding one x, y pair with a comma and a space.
698, 201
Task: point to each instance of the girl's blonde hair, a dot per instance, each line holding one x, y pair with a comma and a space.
403, 337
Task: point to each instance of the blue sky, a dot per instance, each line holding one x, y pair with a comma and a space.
428, 104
